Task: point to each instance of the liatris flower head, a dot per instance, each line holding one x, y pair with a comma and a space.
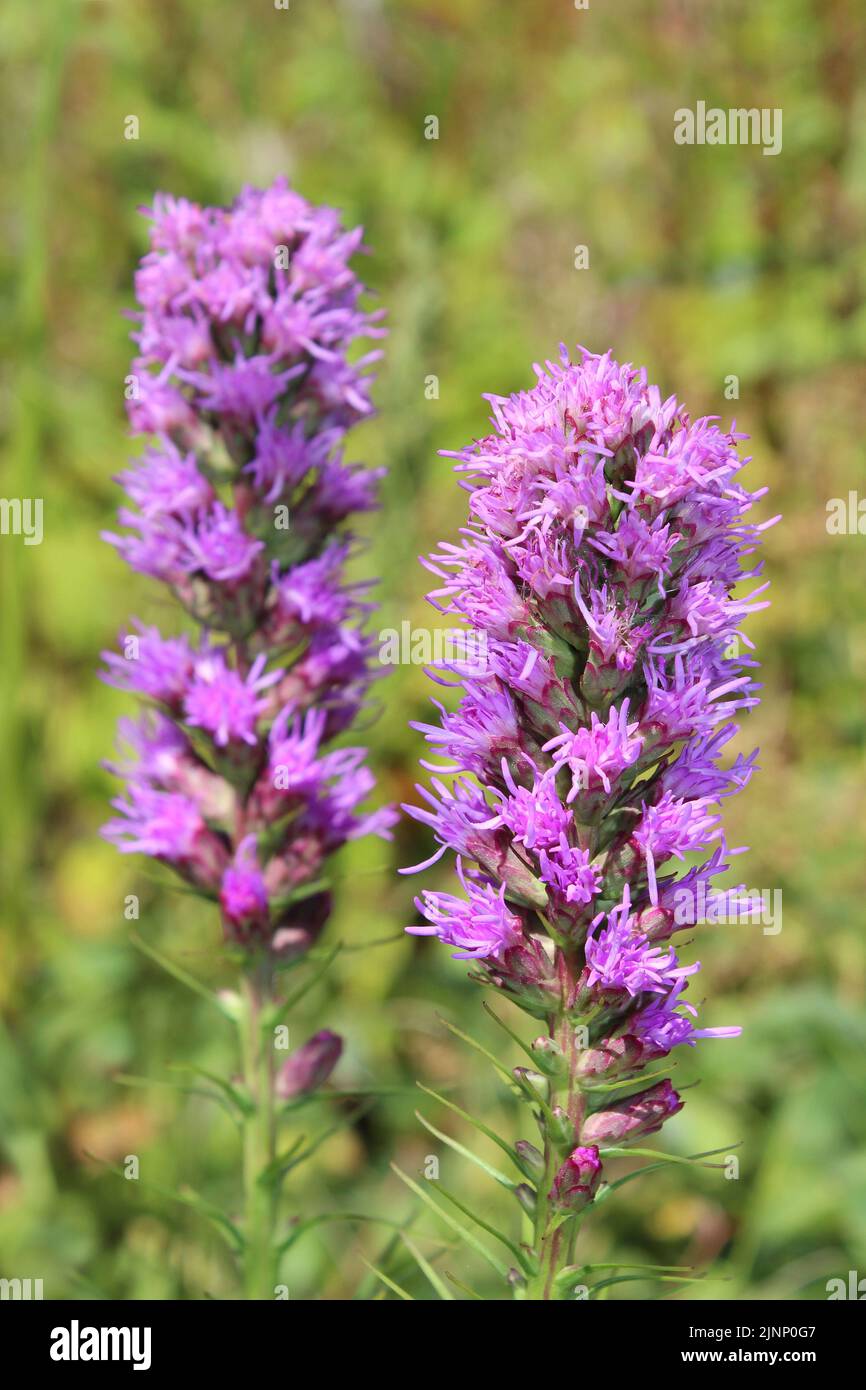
246, 380
607, 534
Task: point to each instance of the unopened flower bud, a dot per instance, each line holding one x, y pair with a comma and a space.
530, 1159
656, 923
560, 1129
309, 1066
634, 1118
576, 1182
615, 1057
549, 1057
532, 1080
526, 1197
525, 973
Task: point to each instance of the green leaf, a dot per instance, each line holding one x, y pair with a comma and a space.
311, 1222
307, 890
515, 1037
178, 973
186, 1197
467, 1153
284, 1163
389, 1250
468, 1236
212, 1213
238, 1098
464, 1288
519, 1255
389, 1283
345, 1093
182, 1089
464, 1037
440, 1287
476, 1124
276, 1016
592, 1087
640, 1278
627, 1264
694, 1161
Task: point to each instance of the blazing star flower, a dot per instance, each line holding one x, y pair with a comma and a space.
607, 533
481, 926
246, 321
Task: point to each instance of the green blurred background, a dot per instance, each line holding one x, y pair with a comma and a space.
556, 130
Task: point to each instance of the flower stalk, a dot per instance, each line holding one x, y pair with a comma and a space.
241, 781
587, 754
259, 1133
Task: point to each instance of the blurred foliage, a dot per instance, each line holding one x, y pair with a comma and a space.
556, 130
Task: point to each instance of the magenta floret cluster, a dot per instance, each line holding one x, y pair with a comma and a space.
607, 537
246, 383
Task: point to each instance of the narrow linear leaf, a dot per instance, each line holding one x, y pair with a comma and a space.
312, 1221
178, 973
277, 1015
467, 1153
470, 1119
468, 1236
662, 1157
186, 1197
605, 1192
378, 941
345, 1093
389, 1283
282, 1163
627, 1264
631, 1080
464, 1288
515, 1250
240, 1099
471, 1042
390, 1249
292, 1159
638, 1278
438, 1284
515, 1037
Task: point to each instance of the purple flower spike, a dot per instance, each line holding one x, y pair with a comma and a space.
607, 534
247, 379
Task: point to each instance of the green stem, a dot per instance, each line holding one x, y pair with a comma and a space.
259, 1139
554, 1239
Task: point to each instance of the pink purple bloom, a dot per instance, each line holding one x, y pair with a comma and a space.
247, 379
480, 925
607, 534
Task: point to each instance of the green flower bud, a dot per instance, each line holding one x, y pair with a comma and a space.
549, 1057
